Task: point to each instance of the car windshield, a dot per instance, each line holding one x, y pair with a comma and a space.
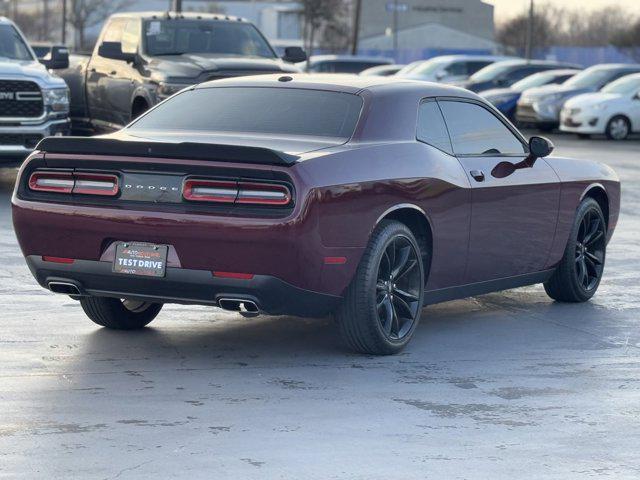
490, 72
425, 68
11, 44
260, 110
624, 86
534, 80
176, 37
591, 77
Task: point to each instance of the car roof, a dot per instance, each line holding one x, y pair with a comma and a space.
522, 62
615, 66
181, 15
468, 58
345, 83
350, 58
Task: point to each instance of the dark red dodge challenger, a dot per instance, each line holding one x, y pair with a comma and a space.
364, 197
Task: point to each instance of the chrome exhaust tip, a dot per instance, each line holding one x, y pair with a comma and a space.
64, 288
245, 307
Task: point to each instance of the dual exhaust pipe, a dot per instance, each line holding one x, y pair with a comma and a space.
241, 305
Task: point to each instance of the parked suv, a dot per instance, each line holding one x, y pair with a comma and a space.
34, 103
142, 58
505, 74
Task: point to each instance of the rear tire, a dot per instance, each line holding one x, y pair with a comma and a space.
382, 305
119, 314
578, 274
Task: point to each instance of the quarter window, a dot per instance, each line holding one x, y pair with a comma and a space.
475, 130
431, 127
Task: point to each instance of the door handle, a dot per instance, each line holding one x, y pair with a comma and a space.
478, 175
112, 72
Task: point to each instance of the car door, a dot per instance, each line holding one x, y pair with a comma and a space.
124, 75
513, 217
100, 96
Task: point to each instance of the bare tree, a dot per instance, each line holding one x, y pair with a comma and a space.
83, 14
628, 41
554, 25
320, 15
513, 33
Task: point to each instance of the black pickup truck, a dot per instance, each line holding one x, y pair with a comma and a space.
142, 58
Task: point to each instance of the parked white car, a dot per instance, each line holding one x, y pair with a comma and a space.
614, 110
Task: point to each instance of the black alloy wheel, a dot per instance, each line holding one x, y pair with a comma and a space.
577, 276
381, 307
590, 246
398, 288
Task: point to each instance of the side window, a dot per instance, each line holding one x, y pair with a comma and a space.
114, 31
431, 127
131, 36
457, 68
473, 67
475, 130
521, 73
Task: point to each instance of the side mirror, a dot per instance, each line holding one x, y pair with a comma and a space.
294, 55
113, 50
57, 58
540, 147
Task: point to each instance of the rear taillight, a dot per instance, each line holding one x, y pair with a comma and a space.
51, 182
263, 193
210, 191
251, 193
96, 184
75, 182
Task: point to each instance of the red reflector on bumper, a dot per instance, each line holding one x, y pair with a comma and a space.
47, 258
335, 260
241, 276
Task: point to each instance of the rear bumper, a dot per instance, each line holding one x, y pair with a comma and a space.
186, 286
529, 114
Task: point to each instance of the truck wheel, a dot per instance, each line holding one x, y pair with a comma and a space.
139, 107
119, 314
578, 274
382, 305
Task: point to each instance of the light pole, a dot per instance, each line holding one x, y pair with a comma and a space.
529, 45
64, 22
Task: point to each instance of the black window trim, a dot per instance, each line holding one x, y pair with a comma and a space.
433, 99
498, 116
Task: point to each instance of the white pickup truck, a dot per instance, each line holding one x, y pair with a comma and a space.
34, 103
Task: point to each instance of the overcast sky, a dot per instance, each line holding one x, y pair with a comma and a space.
508, 8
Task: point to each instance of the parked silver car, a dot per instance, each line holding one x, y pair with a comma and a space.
540, 107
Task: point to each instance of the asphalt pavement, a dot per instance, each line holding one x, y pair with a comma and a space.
507, 385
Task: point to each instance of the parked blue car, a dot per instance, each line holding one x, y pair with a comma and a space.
506, 99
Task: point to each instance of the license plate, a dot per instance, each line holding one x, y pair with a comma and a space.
146, 259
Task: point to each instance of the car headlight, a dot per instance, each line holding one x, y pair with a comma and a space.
166, 89
57, 99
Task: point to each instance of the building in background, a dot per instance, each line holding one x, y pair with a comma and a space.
454, 26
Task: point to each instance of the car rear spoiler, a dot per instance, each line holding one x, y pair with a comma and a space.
183, 150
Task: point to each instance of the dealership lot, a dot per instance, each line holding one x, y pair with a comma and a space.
503, 384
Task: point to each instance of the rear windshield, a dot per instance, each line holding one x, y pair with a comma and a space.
177, 37
265, 110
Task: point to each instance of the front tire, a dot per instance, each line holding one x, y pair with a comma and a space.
578, 274
618, 128
382, 305
119, 314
